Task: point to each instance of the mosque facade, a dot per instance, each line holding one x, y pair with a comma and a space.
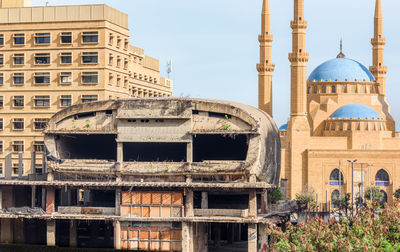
341, 137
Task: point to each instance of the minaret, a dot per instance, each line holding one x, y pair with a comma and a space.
299, 126
378, 68
298, 59
265, 68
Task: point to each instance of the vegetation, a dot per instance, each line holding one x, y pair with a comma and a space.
306, 197
397, 194
275, 195
227, 125
377, 195
368, 231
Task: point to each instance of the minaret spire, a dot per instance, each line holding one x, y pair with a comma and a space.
378, 68
265, 68
341, 54
298, 62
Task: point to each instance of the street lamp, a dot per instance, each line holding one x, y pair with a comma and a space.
352, 184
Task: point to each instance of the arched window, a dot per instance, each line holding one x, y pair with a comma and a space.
335, 196
382, 178
323, 89
336, 177
333, 90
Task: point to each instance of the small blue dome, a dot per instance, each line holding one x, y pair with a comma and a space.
356, 111
283, 127
341, 68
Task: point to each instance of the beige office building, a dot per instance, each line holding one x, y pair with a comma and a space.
55, 56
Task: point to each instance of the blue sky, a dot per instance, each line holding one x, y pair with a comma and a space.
214, 47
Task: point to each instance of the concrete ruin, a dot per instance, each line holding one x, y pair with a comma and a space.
161, 174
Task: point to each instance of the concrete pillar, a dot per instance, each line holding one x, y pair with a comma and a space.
117, 236
264, 202
252, 204
44, 162
19, 237
118, 202
51, 233
7, 231
262, 235
189, 152
8, 166
189, 203
120, 152
50, 195
252, 238
73, 241
187, 237
204, 200
20, 165
1, 197
33, 196
43, 198
33, 162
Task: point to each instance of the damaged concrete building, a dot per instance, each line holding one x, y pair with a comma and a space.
150, 174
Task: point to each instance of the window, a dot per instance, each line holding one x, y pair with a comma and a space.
1, 79
15, 167
18, 78
38, 146
118, 80
90, 58
66, 100
89, 98
1, 124
42, 58
1, 101
19, 39
110, 79
336, 177
42, 78
333, 89
90, 77
19, 59
118, 41
66, 37
18, 101
1, 59
40, 123
90, 37
42, 38
111, 39
125, 82
111, 59
126, 45
118, 61
1, 150
382, 178
18, 146
126, 64
1, 39
18, 124
66, 78
66, 58
42, 101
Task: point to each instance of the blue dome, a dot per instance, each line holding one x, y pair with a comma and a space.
356, 111
283, 127
341, 68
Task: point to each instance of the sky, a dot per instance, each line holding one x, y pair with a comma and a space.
214, 46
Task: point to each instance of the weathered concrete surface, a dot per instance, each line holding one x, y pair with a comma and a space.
86, 210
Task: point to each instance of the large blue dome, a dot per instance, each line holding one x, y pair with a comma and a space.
356, 111
284, 127
341, 68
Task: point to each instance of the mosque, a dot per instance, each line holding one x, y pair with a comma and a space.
340, 137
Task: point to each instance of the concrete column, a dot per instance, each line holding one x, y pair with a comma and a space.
204, 200
50, 195
120, 152
252, 204
8, 166
189, 203
73, 241
189, 152
117, 236
187, 237
44, 162
33, 162
262, 235
43, 198
33, 196
1, 197
264, 202
118, 202
252, 238
7, 231
51, 233
20, 165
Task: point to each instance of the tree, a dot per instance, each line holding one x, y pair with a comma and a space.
377, 195
275, 195
397, 194
342, 203
305, 197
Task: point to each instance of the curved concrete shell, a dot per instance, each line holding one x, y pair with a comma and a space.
166, 136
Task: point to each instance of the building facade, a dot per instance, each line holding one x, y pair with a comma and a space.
340, 137
55, 56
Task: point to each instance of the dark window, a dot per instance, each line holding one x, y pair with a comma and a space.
1, 79
1, 101
66, 100
66, 37
42, 101
333, 89
40, 123
89, 98
90, 58
18, 78
18, 101
1, 39
90, 77
42, 38
1, 150
42, 58
18, 146
19, 59
336, 175
382, 175
90, 37
19, 39
66, 58
155, 152
1, 124
18, 124
42, 78
38, 146
66, 78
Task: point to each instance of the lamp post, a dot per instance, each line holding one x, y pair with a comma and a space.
352, 184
